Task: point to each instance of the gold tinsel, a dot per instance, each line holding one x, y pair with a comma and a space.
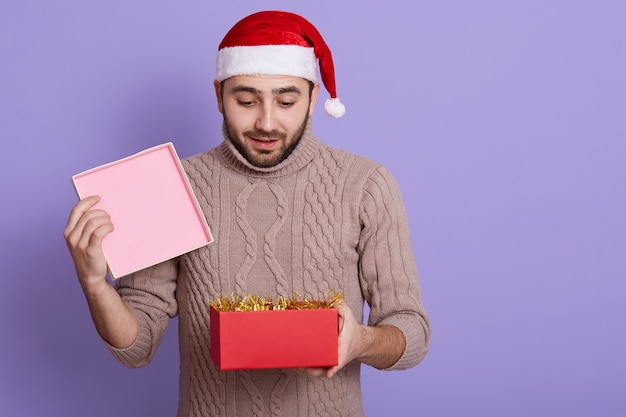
236, 302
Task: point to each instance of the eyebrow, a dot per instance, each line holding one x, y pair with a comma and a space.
276, 91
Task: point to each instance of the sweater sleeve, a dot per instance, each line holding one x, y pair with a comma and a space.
388, 271
152, 295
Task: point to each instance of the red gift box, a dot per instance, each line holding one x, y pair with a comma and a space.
274, 338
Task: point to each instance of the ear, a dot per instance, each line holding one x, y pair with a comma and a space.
218, 95
314, 94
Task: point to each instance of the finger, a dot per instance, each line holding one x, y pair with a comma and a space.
330, 372
317, 372
88, 253
343, 311
80, 235
96, 226
77, 212
86, 247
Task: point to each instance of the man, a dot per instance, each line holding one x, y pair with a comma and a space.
289, 215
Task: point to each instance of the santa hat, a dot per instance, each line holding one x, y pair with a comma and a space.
278, 43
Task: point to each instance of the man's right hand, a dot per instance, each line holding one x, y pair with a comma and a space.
85, 230
114, 319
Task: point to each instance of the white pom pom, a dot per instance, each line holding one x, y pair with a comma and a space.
334, 107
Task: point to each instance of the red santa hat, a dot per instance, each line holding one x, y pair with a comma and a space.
278, 43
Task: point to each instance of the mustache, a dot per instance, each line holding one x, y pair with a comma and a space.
272, 134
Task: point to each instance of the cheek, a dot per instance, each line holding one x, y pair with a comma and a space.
236, 119
296, 119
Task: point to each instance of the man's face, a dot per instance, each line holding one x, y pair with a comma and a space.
265, 115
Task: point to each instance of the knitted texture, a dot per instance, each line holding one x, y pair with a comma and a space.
322, 220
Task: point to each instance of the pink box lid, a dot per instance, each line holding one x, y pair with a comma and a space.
152, 206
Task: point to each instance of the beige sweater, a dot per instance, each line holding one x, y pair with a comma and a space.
322, 220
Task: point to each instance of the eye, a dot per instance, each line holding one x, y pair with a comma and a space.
244, 103
286, 104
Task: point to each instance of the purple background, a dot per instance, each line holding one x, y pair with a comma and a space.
503, 121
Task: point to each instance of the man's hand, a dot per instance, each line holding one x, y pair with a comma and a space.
114, 319
83, 234
379, 346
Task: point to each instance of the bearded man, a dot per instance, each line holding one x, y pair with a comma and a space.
289, 214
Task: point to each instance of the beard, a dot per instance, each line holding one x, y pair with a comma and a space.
267, 159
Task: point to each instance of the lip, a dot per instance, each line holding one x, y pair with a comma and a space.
265, 143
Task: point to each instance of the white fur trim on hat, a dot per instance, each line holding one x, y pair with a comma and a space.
294, 60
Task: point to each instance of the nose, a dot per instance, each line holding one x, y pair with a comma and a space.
266, 120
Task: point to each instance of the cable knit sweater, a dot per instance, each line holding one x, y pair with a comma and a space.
322, 220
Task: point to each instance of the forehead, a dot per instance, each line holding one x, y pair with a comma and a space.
265, 84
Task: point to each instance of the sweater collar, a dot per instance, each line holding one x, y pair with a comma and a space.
304, 153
